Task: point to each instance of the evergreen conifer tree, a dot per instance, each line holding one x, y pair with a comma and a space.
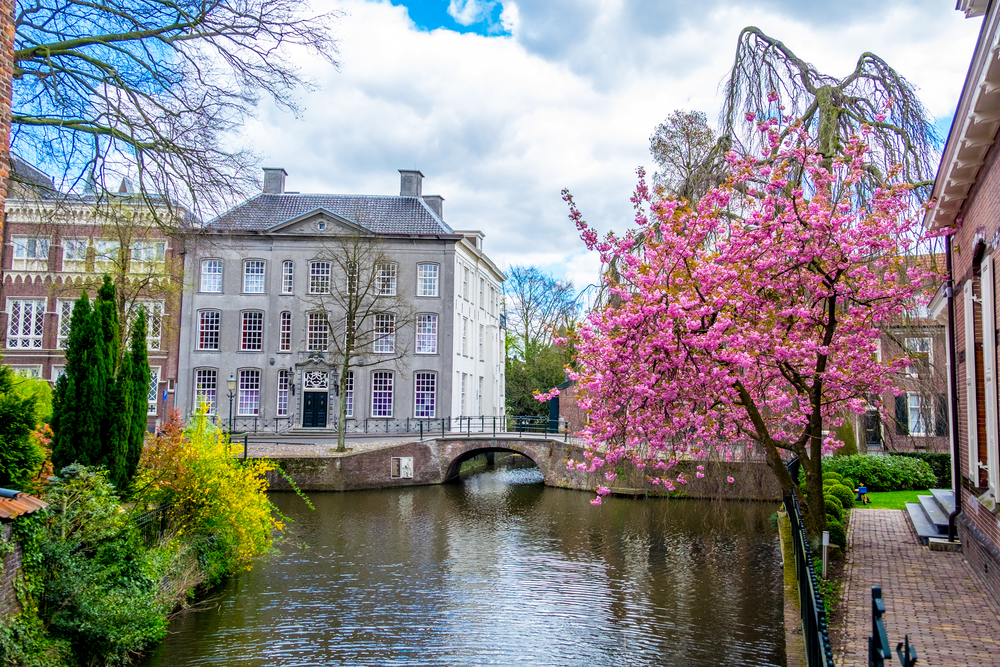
76, 423
137, 376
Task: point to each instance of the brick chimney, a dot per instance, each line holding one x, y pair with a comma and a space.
274, 181
411, 183
436, 202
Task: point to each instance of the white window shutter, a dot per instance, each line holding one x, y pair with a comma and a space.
990, 371
970, 381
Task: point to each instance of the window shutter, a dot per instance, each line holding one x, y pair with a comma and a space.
902, 416
971, 409
990, 370
941, 415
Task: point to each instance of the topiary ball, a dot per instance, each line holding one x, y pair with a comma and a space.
832, 475
833, 507
841, 493
849, 483
838, 535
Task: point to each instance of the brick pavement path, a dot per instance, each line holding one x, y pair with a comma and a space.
933, 596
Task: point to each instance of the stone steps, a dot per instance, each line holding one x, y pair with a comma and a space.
929, 516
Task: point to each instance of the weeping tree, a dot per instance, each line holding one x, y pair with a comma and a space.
769, 80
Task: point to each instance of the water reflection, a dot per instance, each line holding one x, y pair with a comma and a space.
499, 570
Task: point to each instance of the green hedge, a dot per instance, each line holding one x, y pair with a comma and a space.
940, 465
883, 473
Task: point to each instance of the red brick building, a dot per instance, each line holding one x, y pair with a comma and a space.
55, 246
967, 198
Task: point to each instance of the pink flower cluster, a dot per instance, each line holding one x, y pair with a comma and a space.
748, 318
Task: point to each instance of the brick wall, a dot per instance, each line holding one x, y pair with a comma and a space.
11, 566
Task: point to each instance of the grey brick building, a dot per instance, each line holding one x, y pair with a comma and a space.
255, 280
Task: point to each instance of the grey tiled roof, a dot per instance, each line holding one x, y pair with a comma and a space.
381, 214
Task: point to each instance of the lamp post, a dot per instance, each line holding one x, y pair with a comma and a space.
231, 383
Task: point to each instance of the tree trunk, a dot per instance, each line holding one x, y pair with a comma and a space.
342, 407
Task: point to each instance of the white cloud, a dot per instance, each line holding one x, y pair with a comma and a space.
467, 12
499, 125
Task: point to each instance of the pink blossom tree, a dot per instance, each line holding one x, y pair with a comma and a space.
751, 321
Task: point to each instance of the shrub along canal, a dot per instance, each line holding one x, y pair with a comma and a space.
498, 570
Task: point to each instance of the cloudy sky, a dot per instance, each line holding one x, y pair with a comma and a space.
503, 103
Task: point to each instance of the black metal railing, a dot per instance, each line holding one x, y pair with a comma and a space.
425, 428
259, 424
878, 642
150, 525
811, 603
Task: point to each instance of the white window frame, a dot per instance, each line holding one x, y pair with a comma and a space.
427, 334
205, 393
71, 247
153, 395
971, 409
244, 331
64, 311
25, 324
465, 282
33, 371
988, 299
31, 248
149, 252
205, 327
427, 280
288, 277
317, 332
254, 276
106, 252
482, 338
424, 388
384, 381
320, 277
285, 331
461, 405
284, 383
916, 417
154, 322
916, 346
248, 391
210, 277
482, 293
385, 279
349, 395
384, 334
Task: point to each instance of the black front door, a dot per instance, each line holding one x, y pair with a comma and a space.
314, 410
873, 428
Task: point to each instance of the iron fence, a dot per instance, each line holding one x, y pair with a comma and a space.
425, 428
150, 525
259, 424
878, 642
811, 603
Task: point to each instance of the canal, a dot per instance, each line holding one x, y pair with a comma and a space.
498, 570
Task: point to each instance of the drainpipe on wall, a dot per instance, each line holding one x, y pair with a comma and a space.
956, 471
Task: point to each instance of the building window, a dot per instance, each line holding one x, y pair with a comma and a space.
482, 293
34, 372
349, 394
149, 252
465, 283
209, 322
31, 248
425, 395
284, 380
917, 418
493, 301
58, 372
479, 396
427, 279
382, 394
287, 277
318, 339
319, 277
427, 334
285, 332
385, 279
154, 390
385, 333
461, 396
253, 276
205, 388
74, 254
919, 352
465, 336
106, 252
211, 275
65, 310
352, 278
154, 323
253, 331
249, 393
482, 336
25, 326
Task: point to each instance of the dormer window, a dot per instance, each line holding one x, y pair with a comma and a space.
321, 226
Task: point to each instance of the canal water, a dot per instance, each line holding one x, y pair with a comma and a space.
498, 570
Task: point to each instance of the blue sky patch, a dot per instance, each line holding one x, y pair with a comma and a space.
477, 16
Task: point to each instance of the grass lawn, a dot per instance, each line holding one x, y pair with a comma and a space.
891, 500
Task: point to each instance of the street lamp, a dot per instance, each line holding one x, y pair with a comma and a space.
231, 382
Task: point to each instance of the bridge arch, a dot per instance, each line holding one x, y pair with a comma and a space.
455, 467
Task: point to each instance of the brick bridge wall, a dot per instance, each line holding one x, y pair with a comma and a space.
438, 460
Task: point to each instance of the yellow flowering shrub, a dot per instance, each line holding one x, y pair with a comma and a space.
215, 495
